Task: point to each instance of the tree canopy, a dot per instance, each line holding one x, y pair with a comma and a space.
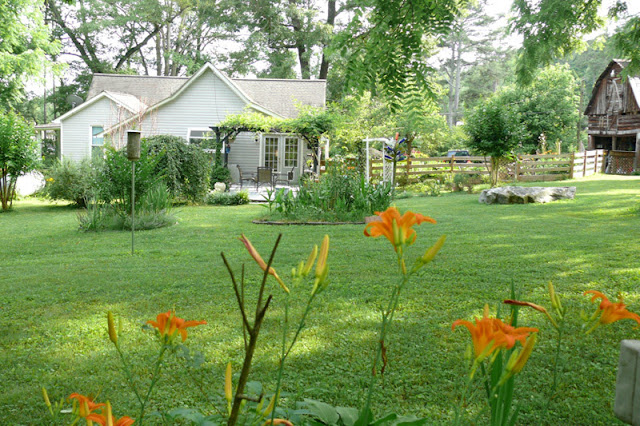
553, 29
24, 44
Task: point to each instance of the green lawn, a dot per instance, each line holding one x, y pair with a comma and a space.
57, 283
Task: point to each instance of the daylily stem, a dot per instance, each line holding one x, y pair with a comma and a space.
286, 353
556, 365
387, 317
156, 374
127, 373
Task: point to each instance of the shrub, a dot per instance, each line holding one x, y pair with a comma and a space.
227, 199
220, 173
116, 176
73, 181
183, 167
97, 216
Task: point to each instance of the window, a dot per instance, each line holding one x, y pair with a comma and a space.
202, 137
97, 143
290, 152
271, 152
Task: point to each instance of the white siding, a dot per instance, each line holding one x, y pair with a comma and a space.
76, 129
245, 151
204, 103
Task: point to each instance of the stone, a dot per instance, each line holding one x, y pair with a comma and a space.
627, 403
524, 195
219, 187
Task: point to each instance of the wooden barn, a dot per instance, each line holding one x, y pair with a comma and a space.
614, 118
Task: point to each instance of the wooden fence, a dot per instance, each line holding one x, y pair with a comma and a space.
526, 168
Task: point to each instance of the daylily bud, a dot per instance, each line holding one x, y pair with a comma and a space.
113, 336
256, 256
46, 397
552, 295
512, 360
555, 300
228, 393
433, 250
312, 258
321, 266
525, 354
397, 234
109, 419
271, 405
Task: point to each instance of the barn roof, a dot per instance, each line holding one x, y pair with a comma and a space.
634, 83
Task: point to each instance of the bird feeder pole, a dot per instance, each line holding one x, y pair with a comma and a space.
133, 154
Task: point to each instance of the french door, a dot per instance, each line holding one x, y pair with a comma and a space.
281, 152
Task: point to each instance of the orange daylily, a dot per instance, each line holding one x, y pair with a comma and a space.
256, 256
489, 334
611, 312
396, 228
168, 323
86, 406
107, 419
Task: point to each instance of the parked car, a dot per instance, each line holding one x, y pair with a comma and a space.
458, 153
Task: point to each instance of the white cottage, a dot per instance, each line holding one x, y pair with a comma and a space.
188, 107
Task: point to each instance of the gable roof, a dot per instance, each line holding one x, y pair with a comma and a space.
124, 100
149, 89
276, 95
633, 81
225, 80
282, 96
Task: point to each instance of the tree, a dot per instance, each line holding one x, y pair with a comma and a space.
548, 108
24, 43
165, 37
18, 154
290, 35
494, 131
468, 39
384, 44
554, 28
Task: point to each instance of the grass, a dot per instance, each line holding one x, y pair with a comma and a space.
57, 283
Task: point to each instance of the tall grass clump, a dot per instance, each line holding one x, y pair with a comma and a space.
340, 195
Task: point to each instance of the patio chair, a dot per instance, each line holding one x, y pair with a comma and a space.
264, 176
244, 177
286, 177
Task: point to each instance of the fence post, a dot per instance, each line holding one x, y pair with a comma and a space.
573, 164
584, 164
451, 164
408, 167
517, 168
595, 165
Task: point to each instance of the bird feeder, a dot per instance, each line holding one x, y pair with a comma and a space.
133, 145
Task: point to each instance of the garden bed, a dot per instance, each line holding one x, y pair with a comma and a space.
277, 222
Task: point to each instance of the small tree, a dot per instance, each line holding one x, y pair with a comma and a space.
18, 154
494, 131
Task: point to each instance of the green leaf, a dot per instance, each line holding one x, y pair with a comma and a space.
324, 412
348, 415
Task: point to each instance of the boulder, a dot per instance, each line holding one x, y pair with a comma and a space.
524, 195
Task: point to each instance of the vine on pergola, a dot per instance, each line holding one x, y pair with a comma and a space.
311, 124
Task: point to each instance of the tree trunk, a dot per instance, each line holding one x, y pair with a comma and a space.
331, 19
159, 53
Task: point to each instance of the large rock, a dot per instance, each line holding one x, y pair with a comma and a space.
524, 195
